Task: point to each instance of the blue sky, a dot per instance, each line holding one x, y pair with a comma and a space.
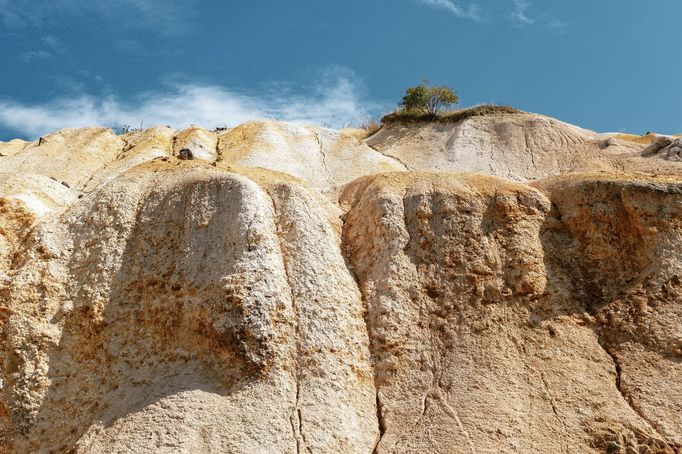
608, 65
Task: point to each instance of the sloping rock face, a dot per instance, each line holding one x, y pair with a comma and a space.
626, 243
519, 147
325, 158
501, 320
160, 292
187, 308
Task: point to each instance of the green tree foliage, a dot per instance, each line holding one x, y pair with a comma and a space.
428, 99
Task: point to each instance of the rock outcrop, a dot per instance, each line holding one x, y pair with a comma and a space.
231, 302
518, 147
502, 320
181, 300
669, 148
325, 158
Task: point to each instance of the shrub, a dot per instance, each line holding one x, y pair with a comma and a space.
430, 100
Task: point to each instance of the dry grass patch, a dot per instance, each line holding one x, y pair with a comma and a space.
645, 140
452, 116
370, 126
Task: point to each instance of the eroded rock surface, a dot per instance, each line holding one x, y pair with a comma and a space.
325, 158
187, 302
518, 147
485, 330
155, 303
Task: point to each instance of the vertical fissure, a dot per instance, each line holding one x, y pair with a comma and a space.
218, 152
172, 144
297, 426
324, 158
381, 420
627, 398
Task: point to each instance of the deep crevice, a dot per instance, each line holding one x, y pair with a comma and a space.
381, 421
172, 144
627, 398
390, 156
300, 424
298, 437
218, 153
293, 434
324, 159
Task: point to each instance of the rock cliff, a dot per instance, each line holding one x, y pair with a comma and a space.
277, 288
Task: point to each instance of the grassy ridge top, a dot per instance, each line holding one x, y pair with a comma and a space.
452, 116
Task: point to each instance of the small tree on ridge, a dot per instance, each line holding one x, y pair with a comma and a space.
428, 99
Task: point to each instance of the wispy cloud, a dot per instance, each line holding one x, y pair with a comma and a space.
557, 25
52, 46
130, 47
163, 16
11, 15
52, 42
336, 100
32, 55
519, 15
471, 11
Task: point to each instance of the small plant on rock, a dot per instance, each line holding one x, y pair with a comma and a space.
370, 126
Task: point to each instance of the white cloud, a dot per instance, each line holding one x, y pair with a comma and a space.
519, 14
471, 12
335, 101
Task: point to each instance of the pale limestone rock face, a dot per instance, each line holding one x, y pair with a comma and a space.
182, 300
483, 330
156, 304
53, 155
138, 147
518, 147
200, 142
24, 199
12, 147
626, 238
324, 158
